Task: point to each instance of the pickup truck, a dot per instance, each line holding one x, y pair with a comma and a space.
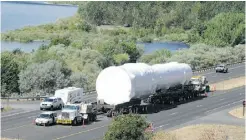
52, 103
221, 68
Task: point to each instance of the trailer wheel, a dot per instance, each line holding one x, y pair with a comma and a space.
60, 106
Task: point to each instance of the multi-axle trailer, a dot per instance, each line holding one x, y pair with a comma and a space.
155, 102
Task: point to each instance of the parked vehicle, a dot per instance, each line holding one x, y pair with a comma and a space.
138, 87
46, 118
70, 94
221, 68
51, 103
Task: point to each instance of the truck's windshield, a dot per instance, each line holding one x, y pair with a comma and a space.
70, 107
48, 100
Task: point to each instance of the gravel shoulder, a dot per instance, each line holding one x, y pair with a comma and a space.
237, 112
229, 84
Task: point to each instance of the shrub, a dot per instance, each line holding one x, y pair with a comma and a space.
127, 127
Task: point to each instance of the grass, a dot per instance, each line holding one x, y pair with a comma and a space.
203, 132
7, 108
237, 112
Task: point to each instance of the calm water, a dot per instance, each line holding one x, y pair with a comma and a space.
18, 15
172, 46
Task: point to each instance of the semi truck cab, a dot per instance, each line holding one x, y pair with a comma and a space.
77, 113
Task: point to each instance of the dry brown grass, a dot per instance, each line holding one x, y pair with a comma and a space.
229, 84
203, 132
7, 108
237, 112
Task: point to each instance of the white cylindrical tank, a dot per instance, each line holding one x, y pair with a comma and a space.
116, 85
171, 74
120, 84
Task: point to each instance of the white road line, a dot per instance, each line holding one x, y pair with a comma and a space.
17, 113
174, 113
161, 126
32, 117
222, 99
223, 106
198, 105
16, 127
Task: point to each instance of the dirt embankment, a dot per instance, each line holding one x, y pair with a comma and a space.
238, 112
228, 84
203, 132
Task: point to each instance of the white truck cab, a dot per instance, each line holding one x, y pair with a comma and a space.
70, 115
51, 103
75, 113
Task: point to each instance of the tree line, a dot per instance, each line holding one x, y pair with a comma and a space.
79, 49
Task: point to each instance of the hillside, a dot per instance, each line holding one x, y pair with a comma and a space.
93, 39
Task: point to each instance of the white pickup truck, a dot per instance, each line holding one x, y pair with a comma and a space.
52, 103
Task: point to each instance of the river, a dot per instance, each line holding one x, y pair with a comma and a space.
16, 15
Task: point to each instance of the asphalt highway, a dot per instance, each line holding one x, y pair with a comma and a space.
19, 125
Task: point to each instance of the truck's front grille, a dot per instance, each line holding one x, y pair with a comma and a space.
65, 115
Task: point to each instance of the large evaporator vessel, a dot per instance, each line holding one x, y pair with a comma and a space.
119, 84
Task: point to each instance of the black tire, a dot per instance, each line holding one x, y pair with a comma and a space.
47, 124
60, 106
51, 108
75, 122
41, 108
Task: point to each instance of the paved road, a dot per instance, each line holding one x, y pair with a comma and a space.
20, 125
235, 71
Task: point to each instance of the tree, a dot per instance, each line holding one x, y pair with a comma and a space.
127, 127
160, 56
44, 78
79, 80
225, 29
9, 74
132, 50
121, 58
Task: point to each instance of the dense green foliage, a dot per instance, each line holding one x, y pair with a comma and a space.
82, 48
191, 22
199, 56
127, 127
44, 78
9, 74
230, 30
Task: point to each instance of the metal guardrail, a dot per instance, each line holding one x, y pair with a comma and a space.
94, 91
41, 97
212, 68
